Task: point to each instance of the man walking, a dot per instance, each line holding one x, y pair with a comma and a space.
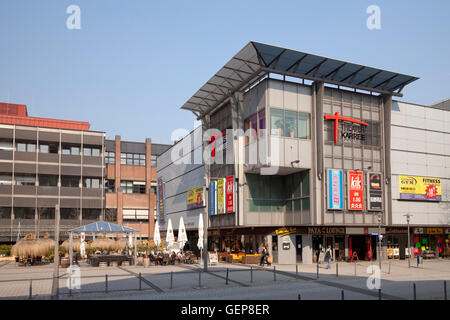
328, 257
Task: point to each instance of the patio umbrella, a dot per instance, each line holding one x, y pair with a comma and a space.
182, 236
169, 237
156, 235
200, 234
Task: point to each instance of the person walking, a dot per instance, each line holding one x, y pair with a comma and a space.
263, 257
328, 257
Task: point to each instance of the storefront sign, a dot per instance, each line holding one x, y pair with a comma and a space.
355, 190
420, 188
396, 230
213, 258
160, 196
230, 194
435, 231
375, 192
221, 201
350, 131
196, 198
326, 230
285, 231
212, 198
335, 190
418, 230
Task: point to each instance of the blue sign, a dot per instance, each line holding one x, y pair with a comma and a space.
212, 198
335, 190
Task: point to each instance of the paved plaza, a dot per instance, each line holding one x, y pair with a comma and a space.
244, 282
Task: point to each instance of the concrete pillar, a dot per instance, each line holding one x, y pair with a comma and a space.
307, 253
347, 253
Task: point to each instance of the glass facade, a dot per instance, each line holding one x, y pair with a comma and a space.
290, 124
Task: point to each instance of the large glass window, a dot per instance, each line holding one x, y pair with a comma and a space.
262, 122
5, 179
91, 183
69, 149
6, 144
304, 125
23, 213
276, 122
70, 213
290, 124
26, 147
91, 151
46, 213
25, 180
70, 181
48, 180
49, 147
132, 159
132, 186
110, 157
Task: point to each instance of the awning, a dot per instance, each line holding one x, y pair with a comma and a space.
102, 226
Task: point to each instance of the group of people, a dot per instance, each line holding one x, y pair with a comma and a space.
326, 256
265, 257
166, 258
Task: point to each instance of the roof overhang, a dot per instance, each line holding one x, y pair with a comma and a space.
256, 60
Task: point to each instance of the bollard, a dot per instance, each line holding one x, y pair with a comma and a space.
445, 290
171, 279
342, 295
299, 297
389, 272
106, 283
251, 274
317, 270
414, 291
140, 281
355, 268
200, 279
337, 269
379, 294
274, 274
31, 289
296, 271
226, 279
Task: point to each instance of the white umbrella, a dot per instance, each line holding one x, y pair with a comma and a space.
182, 236
169, 236
200, 234
156, 235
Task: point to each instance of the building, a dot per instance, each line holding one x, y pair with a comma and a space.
316, 162
131, 184
43, 163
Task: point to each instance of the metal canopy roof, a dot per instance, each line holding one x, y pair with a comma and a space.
102, 226
257, 59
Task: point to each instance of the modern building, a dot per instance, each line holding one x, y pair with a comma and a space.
319, 163
131, 184
47, 162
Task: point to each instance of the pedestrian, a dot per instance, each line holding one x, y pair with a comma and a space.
268, 259
328, 257
263, 256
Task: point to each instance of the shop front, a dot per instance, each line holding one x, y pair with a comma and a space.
322, 237
431, 242
396, 240
362, 243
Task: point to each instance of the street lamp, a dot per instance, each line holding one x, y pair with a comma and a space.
408, 216
379, 239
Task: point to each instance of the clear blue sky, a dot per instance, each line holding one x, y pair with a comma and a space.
134, 63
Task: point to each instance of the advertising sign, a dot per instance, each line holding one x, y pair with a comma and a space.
212, 199
420, 188
335, 190
196, 198
375, 192
221, 196
355, 190
160, 197
230, 194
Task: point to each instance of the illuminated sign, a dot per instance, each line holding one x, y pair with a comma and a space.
420, 188
375, 191
230, 194
355, 190
221, 200
350, 132
335, 190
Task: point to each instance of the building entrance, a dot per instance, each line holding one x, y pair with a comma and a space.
364, 246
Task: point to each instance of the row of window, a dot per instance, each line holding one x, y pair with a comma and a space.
49, 213
50, 181
52, 148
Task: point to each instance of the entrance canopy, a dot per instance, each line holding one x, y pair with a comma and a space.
256, 60
102, 226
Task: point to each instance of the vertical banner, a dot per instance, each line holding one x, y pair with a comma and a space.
212, 196
221, 201
355, 190
375, 192
230, 194
160, 197
335, 190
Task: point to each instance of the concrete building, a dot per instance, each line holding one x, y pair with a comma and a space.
316, 165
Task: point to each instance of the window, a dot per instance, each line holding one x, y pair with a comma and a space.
91, 183
262, 122
152, 160
91, 214
5, 179
46, 213
70, 181
44, 148
135, 215
91, 151
25, 180
110, 157
68, 149
110, 186
70, 213
6, 144
5, 212
23, 213
276, 122
132, 186
111, 214
26, 147
48, 180
290, 121
132, 159
304, 125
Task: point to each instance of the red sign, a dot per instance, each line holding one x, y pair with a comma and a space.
355, 190
230, 194
336, 119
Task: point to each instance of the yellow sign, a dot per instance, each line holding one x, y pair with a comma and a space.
221, 196
285, 232
435, 231
420, 188
196, 198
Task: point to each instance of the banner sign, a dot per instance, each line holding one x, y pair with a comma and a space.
212, 198
196, 198
230, 194
420, 188
335, 190
160, 197
221, 196
355, 190
375, 192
